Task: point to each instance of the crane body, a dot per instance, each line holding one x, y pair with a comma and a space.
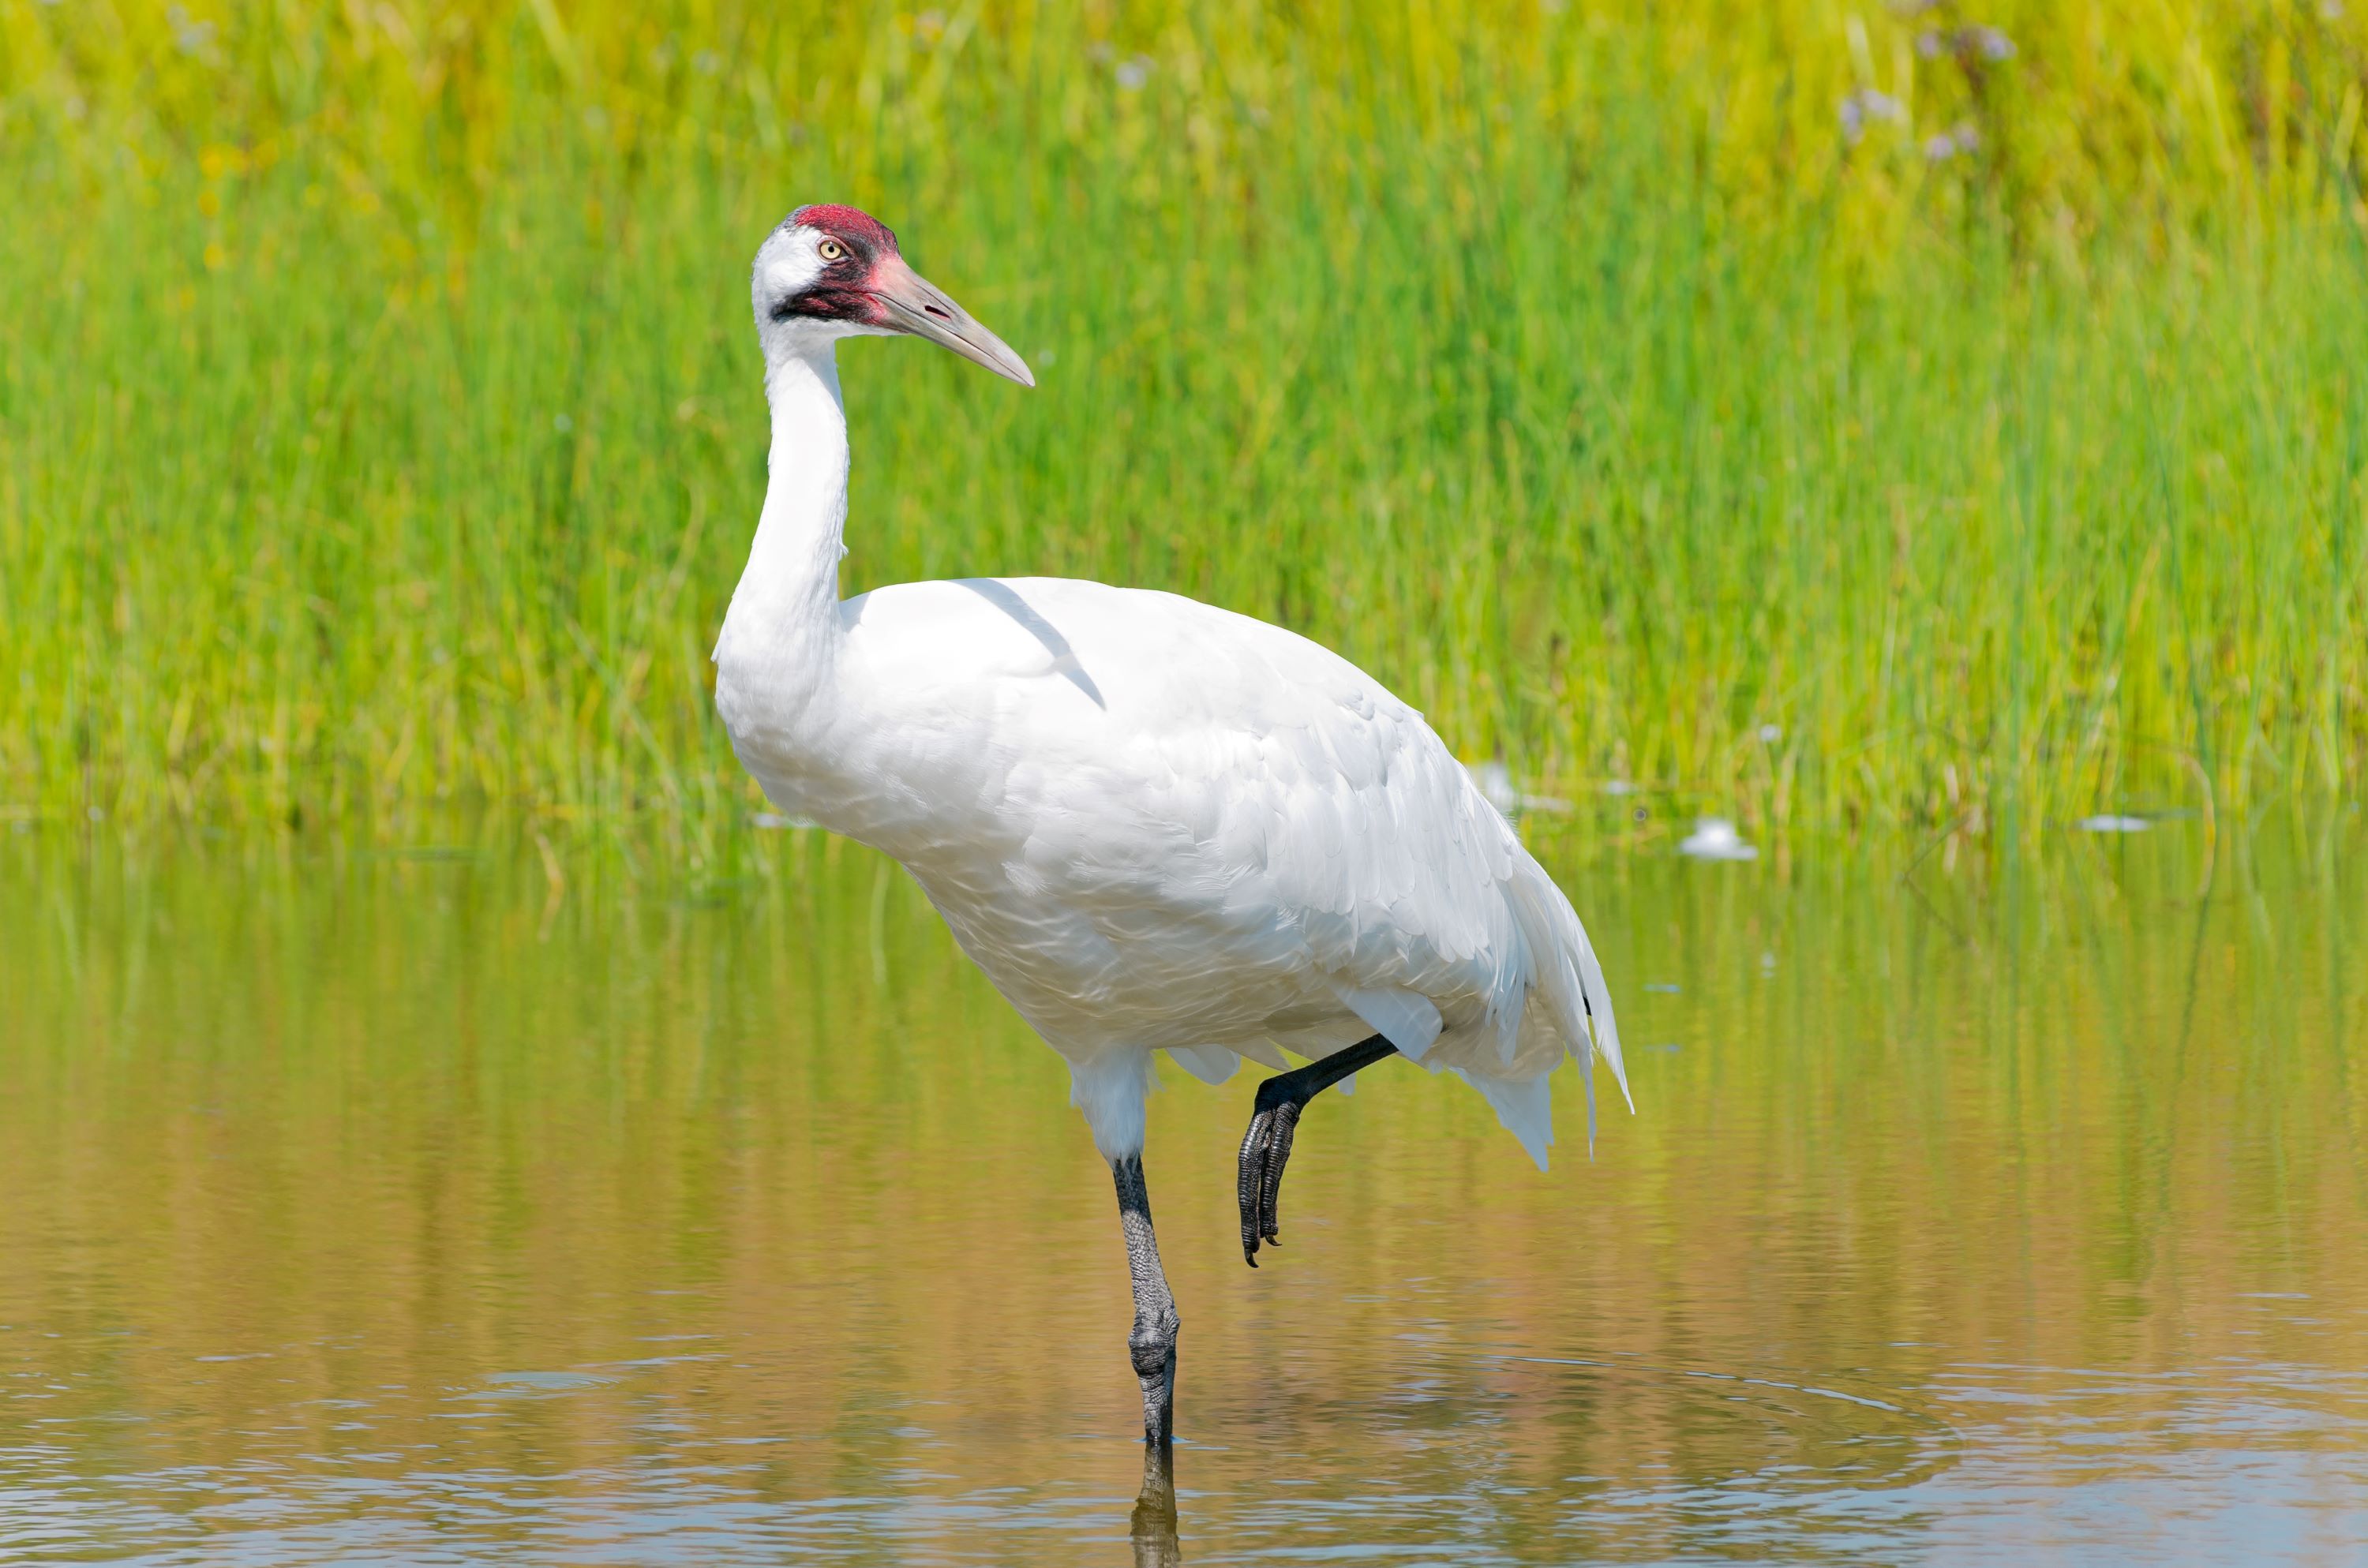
1155, 825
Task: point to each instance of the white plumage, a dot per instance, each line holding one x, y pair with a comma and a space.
1158, 825
1155, 825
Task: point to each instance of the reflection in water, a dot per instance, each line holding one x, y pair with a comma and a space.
358, 1205
1152, 1526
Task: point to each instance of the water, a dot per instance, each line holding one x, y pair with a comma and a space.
463, 1206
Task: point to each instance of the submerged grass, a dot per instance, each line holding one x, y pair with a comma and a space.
1647, 399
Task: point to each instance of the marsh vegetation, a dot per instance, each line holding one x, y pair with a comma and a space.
1858, 417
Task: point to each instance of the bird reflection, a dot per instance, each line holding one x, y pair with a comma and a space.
1152, 1526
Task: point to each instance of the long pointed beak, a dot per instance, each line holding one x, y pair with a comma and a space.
919, 307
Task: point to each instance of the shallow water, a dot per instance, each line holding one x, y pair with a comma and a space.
460, 1205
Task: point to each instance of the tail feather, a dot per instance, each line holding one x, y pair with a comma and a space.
1522, 1105
1569, 978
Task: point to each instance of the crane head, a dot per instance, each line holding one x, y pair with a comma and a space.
830, 272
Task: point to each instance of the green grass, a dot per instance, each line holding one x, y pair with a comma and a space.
383, 429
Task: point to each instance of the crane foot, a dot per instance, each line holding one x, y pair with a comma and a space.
1266, 1148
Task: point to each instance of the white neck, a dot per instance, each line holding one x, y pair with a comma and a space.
788, 597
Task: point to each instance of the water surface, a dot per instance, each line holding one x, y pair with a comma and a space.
467, 1205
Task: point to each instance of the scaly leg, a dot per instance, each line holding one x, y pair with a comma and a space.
1267, 1145
1151, 1344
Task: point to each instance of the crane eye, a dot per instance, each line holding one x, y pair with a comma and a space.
830, 250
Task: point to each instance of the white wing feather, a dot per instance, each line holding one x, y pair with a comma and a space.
1159, 825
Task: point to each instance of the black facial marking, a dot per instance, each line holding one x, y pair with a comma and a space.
839, 293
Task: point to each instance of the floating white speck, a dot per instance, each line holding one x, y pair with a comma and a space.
1621, 786
1496, 782
2108, 823
1714, 838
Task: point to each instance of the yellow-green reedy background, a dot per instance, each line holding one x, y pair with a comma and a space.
380, 424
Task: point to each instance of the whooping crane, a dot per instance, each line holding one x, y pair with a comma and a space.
1157, 825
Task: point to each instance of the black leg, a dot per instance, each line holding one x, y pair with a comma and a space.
1267, 1146
1151, 1344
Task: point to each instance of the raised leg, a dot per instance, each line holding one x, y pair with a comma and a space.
1267, 1145
1152, 1344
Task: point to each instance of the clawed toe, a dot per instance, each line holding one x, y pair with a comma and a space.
1265, 1150
1253, 1181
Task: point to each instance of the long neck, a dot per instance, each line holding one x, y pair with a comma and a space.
789, 591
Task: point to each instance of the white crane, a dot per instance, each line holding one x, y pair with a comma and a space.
1157, 825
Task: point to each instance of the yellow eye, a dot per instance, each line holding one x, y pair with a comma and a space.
831, 250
